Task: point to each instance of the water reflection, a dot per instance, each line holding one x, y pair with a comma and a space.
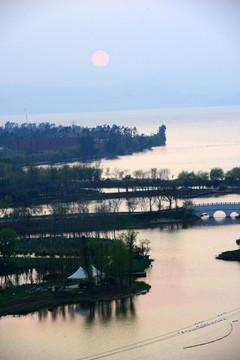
204, 221
207, 221
125, 307
36, 275
24, 276
105, 311
90, 312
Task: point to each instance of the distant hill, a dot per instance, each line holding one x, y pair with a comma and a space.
129, 95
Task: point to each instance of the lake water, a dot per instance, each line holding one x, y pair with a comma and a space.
188, 286
194, 298
197, 138
141, 205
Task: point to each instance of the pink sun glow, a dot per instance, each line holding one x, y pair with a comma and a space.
100, 58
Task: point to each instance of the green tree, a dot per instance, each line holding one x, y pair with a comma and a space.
85, 258
119, 260
202, 178
234, 174
187, 178
130, 240
187, 203
216, 174
143, 248
5, 204
8, 238
101, 255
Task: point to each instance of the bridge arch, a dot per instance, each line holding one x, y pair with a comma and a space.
234, 214
214, 209
220, 214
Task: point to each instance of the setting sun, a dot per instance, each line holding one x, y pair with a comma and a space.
100, 58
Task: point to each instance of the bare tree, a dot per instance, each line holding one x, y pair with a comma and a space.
150, 197
82, 207
115, 204
142, 203
169, 193
59, 209
132, 204
138, 174
102, 207
154, 173
158, 201
163, 174
119, 174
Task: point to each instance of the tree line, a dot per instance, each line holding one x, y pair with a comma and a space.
48, 142
36, 182
215, 177
36, 185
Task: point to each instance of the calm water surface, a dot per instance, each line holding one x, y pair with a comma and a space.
188, 286
143, 205
197, 138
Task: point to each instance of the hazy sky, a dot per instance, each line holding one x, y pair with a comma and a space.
181, 43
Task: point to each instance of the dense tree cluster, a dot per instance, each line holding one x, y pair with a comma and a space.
215, 177
23, 184
8, 238
115, 260
70, 182
48, 142
117, 140
13, 130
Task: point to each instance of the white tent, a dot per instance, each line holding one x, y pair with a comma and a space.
95, 272
79, 274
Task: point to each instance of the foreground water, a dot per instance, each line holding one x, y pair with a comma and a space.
188, 286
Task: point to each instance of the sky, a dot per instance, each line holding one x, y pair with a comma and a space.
187, 46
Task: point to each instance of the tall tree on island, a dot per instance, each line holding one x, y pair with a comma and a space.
8, 238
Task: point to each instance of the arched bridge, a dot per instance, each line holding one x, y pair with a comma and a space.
210, 209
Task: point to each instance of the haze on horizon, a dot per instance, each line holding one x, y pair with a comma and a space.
162, 53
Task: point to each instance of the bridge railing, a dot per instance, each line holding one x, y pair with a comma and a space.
214, 204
